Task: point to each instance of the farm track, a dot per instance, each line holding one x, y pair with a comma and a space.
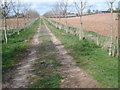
73, 76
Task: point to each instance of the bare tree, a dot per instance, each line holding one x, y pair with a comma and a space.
24, 8
55, 15
31, 15
80, 7
55, 12
6, 8
64, 8
16, 8
58, 10
111, 47
89, 11
48, 14
28, 13
0, 12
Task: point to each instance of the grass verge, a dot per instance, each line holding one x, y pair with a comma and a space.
91, 58
17, 44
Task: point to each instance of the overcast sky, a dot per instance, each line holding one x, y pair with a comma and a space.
42, 6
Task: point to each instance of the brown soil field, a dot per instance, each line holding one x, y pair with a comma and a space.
99, 23
12, 23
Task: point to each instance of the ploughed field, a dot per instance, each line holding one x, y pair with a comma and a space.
99, 23
12, 23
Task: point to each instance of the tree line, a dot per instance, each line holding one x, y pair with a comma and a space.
16, 10
60, 10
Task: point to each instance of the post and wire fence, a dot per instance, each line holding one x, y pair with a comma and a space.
101, 40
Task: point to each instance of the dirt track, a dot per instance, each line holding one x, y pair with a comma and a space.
18, 78
73, 76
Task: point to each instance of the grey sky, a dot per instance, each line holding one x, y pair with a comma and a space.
42, 6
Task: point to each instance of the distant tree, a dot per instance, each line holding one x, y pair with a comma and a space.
64, 9
54, 11
93, 11
97, 11
16, 8
117, 9
32, 13
89, 11
48, 14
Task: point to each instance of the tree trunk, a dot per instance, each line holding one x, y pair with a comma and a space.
97, 40
111, 31
59, 23
66, 28
17, 26
81, 23
81, 29
24, 23
5, 30
113, 50
117, 47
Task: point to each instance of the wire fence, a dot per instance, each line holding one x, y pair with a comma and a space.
13, 26
101, 40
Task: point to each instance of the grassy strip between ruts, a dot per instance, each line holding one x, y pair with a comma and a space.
91, 58
46, 68
17, 44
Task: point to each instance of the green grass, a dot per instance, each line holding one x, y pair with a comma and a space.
91, 58
104, 41
48, 82
16, 46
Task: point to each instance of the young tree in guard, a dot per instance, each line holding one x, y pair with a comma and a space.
80, 6
16, 8
111, 47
